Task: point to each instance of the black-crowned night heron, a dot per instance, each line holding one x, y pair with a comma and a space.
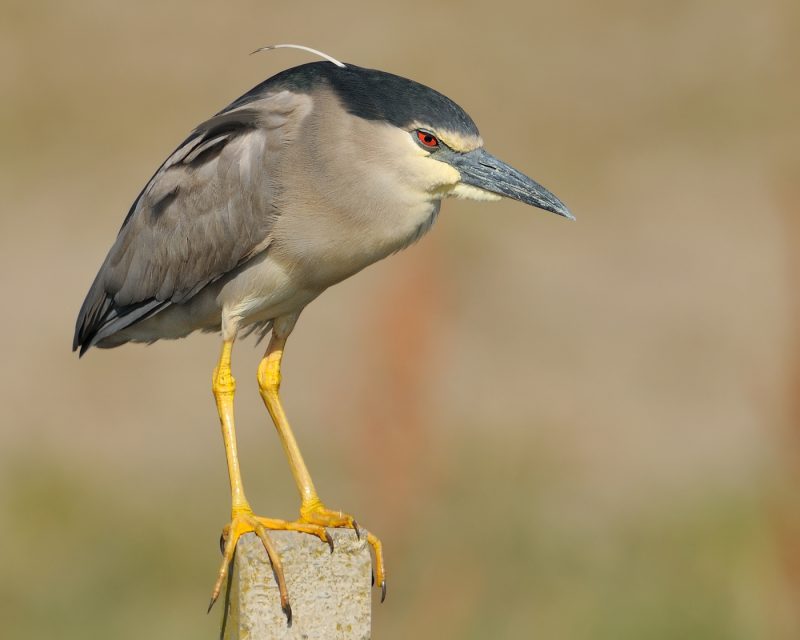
306, 179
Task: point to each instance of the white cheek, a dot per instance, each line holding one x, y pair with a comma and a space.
468, 192
441, 174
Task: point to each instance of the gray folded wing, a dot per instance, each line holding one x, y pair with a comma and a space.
208, 209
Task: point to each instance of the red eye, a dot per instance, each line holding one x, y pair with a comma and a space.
428, 139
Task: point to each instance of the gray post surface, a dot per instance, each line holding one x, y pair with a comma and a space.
330, 593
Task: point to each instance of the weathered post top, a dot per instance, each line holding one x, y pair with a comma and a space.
330, 593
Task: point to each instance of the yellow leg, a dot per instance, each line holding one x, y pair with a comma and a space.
312, 510
242, 518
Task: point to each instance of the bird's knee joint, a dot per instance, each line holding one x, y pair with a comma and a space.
269, 381
223, 383
269, 376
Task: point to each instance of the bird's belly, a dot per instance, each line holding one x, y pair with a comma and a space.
261, 290
265, 289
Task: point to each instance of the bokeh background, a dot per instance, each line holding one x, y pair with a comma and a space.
576, 431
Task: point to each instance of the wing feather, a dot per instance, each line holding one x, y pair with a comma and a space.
208, 209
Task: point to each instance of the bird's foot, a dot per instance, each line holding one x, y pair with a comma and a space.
244, 521
315, 513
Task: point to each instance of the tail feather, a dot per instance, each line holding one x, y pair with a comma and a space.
100, 317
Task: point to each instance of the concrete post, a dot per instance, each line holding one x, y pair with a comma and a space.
330, 593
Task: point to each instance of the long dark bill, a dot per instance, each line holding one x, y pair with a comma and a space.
481, 169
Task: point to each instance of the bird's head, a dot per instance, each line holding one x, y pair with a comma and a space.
427, 142
478, 174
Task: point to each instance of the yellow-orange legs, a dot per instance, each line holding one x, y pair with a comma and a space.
312, 511
242, 518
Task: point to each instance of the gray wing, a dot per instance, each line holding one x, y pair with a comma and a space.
208, 209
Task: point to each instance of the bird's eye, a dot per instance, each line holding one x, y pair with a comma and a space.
427, 139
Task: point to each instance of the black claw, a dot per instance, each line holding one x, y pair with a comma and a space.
329, 539
357, 530
210, 604
373, 578
287, 609
383, 591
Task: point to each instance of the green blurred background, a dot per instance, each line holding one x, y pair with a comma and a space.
574, 431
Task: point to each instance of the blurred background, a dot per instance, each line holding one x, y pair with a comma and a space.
586, 430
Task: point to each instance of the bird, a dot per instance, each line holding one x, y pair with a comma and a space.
312, 175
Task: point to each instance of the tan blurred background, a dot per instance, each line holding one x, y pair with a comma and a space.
560, 430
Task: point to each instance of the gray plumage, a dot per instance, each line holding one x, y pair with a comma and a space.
205, 212
301, 182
